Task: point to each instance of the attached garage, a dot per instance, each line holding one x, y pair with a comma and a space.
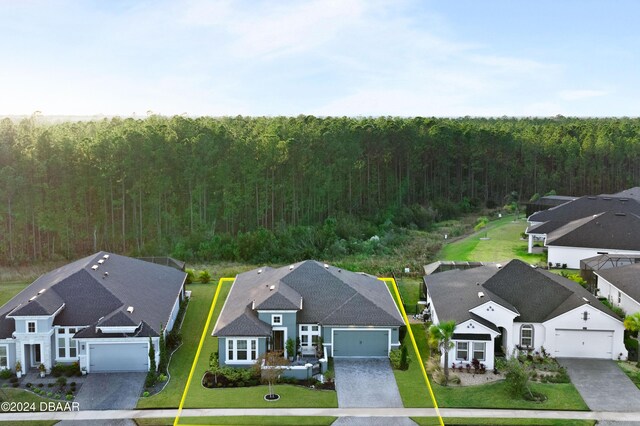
360, 343
111, 357
584, 343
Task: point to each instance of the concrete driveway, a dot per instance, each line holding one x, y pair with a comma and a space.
367, 383
602, 384
109, 391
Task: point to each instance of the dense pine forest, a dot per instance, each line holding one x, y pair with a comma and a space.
269, 189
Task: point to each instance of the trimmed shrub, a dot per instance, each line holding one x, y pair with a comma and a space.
145, 394
6, 373
150, 380
204, 277
394, 357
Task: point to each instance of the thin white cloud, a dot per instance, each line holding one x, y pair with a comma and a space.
578, 95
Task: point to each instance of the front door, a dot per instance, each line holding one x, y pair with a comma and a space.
278, 340
36, 357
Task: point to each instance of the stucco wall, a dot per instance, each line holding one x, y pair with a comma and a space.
610, 291
598, 320
573, 255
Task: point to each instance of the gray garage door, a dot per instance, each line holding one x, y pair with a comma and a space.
118, 357
358, 343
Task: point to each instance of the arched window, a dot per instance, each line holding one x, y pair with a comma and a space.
526, 335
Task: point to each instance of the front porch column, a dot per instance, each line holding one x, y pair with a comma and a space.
530, 244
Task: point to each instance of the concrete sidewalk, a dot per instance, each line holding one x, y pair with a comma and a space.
333, 412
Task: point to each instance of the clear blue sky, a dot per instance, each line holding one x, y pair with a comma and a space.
344, 57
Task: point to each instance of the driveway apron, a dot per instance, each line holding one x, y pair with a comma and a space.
109, 391
366, 383
602, 384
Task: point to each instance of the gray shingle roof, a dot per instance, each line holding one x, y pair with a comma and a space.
89, 294
537, 295
606, 231
626, 278
587, 206
330, 296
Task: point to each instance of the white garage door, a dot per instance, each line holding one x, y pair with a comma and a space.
118, 357
584, 344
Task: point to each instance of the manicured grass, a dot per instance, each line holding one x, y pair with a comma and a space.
411, 384
504, 243
463, 421
409, 289
10, 289
201, 297
630, 369
290, 396
21, 395
562, 396
243, 421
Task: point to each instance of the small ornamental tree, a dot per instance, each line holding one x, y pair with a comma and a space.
404, 358
517, 377
164, 361
274, 363
152, 356
632, 323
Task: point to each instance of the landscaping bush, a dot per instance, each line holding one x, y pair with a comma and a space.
145, 394
204, 277
13, 379
50, 385
631, 344
40, 385
6, 373
62, 381
191, 276
174, 338
69, 397
15, 385
150, 380
517, 377
394, 357
231, 377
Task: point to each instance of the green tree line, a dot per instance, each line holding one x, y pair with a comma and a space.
149, 186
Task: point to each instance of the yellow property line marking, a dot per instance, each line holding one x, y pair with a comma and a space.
195, 359
415, 347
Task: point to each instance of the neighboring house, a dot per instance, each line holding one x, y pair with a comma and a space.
566, 248
352, 314
99, 311
604, 233
621, 286
501, 308
546, 202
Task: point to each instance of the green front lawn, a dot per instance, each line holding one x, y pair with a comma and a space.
410, 289
631, 370
197, 311
414, 392
290, 396
504, 243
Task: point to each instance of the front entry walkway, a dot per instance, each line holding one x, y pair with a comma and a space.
367, 383
602, 384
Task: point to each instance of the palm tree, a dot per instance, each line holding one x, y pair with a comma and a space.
632, 322
443, 333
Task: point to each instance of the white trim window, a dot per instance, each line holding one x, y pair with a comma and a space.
479, 351
32, 327
462, 351
242, 350
526, 335
276, 319
66, 347
4, 357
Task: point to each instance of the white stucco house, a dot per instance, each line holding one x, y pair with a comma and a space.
499, 309
621, 286
100, 311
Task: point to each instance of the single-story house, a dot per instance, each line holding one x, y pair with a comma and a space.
351, 314
99, 311
604, 233
574, 213
499, 309
621, 286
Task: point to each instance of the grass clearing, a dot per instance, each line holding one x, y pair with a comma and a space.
10, 289
201, 296
413, 389
503, 243
410, 289
631, 370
